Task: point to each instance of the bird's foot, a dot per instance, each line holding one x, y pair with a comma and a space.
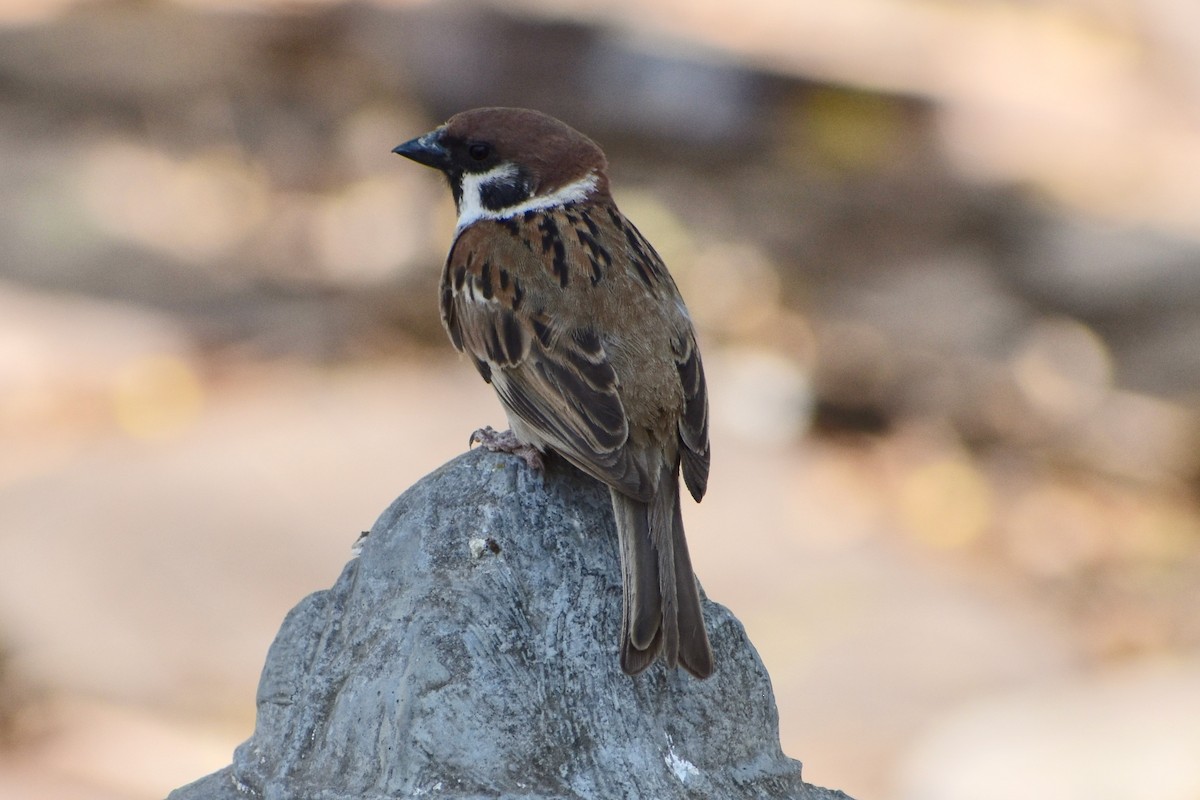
507, 442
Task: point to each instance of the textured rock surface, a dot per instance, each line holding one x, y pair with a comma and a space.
470, 652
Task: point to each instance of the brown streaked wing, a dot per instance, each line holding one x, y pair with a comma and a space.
557, 380
693, 423
480, 307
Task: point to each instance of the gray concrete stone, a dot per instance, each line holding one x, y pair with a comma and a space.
470, 651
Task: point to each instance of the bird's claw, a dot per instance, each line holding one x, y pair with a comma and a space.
507, 442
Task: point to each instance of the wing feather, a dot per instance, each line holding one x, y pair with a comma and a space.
556, 378
693, 422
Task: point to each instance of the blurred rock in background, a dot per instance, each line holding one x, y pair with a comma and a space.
945, 260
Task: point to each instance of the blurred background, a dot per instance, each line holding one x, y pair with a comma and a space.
945, 261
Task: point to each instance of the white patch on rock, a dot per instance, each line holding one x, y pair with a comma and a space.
478, 546
683, 769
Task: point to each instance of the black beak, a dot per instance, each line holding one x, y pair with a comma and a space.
427, 150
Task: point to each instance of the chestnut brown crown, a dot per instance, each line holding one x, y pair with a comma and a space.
509, 156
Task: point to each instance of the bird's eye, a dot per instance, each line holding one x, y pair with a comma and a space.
479, 151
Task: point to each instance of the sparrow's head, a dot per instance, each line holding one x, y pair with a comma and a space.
504, 161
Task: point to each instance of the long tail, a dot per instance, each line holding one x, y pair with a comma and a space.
661, 610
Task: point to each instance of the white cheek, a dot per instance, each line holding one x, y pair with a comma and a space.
471, 208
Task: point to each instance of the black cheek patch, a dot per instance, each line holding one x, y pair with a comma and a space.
504, 193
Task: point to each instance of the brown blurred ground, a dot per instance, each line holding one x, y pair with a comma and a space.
945, 259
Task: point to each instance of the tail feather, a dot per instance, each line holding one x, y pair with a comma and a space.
661, 608
695, 653
660, 514
641, 613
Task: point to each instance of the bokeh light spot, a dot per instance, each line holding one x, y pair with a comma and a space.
851, 130
1064, 369
194, 209
157, 397
946, 503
